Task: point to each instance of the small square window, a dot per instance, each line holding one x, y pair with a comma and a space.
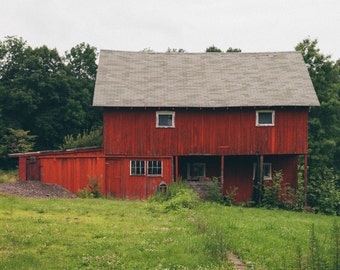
265, 118
165, 119
195, 170
267, 171
137, 167
154, 167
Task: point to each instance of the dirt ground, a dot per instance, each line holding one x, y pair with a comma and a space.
35, 189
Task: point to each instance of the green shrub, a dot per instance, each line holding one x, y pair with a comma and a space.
8, 176
272, 191
214, 192
323, 193
178, 196
92, 190
90, 138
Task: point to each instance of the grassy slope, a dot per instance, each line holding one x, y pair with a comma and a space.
111, 234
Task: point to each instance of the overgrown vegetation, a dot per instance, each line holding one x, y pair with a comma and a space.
175, 230
8, 176
92, 190
93, 137
177, 196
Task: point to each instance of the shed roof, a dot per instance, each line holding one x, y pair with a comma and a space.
139, 79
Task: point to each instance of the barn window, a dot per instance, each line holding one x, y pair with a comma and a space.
195, 170
165, 119
137, 167
265, 118
140, 167
154, 167
267, 171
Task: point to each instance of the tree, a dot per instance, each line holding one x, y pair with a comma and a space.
45, 93
230, 49
173, 50
324, 123
212, 48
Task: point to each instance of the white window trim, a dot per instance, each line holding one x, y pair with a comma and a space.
157, 175
146, 167
265, 125
265, 177
165, 113
131, 174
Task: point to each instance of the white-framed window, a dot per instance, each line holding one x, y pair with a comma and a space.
195, 170
265, 118
137, 167
267, 171
142, 167
165, 119
154, 167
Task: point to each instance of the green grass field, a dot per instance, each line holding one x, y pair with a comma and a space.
117, 234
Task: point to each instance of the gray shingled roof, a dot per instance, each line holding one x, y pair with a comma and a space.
139, 79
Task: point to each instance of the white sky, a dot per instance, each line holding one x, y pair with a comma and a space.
193, 25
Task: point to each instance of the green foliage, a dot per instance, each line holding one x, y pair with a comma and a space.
278, 195
324, 129
16, 141
324, 193
8, 176
212, 48
214, 191
123, 234
272, 191
92, 190
86, 139
45, 93
178, 197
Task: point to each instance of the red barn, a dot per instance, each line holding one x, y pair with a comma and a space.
234, 116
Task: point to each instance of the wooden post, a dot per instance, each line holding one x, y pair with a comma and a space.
305, 165
261, 178
176, 169
222, 173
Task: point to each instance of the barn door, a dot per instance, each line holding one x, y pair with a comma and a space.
113, 177
32, 169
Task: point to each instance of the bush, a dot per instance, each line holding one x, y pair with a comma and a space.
323, 193
272, 191
90, 138
92, 190
178, 196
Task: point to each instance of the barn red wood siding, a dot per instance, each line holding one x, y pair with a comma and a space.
121, 184
200, 132
69, 169
238, 172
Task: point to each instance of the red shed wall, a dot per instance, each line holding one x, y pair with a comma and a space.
121, 184
214, 132
73, 173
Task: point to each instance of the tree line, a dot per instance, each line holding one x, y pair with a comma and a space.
46, 103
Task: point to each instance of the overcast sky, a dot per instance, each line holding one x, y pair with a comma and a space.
193, 25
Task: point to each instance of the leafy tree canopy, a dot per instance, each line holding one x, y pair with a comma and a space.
46, 93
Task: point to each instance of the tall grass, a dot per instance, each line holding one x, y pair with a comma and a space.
8, 176
176, 231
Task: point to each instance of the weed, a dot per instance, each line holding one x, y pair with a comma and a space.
8, 176
92, 190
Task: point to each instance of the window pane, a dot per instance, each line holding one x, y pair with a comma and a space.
155, 167
265, 117
137, 167
267, 170
165, 120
